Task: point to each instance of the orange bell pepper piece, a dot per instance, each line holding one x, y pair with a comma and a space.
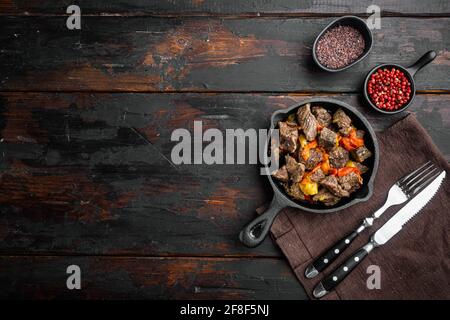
346, 170
309, 146
351, 142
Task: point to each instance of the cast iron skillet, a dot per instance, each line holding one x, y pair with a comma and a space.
255, 232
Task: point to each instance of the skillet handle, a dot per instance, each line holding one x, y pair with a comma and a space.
255, 232
422, 62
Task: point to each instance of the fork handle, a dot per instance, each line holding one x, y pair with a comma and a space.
329, 255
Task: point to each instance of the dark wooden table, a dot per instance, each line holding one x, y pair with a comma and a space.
86, 117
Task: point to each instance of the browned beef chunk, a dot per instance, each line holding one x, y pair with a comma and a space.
361, 154
315, 157
343, 122
326, 197
295, 170
317, 175
281, 174
307, 122
362, 168
327, 139
288, 136
332, 184
322, 115
338, 157
350, 182
294, 191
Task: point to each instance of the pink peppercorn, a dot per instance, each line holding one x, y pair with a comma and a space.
389, 89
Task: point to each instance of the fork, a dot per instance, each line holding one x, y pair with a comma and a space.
404, 189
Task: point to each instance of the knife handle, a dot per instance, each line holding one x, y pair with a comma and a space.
340, 273
329, 255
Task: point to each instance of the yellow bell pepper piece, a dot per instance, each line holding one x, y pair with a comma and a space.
302, 140
309, 187
350, 164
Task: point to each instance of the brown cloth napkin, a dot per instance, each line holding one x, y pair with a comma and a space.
415, 264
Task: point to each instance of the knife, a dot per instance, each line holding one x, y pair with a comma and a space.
380, 237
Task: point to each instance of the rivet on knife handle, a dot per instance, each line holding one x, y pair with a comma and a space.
329, 255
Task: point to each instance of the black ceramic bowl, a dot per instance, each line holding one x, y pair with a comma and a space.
352, 21
254, 233
409, 72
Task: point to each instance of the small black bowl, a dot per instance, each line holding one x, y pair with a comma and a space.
409, 72
351, 21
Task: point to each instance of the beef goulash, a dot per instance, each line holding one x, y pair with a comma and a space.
321, 155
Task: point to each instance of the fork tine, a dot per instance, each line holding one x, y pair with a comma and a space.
419, 176
410, 187
419, 188
410, 175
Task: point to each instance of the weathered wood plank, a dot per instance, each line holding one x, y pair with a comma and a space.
221, 7
148, 278
201, 54
91, 173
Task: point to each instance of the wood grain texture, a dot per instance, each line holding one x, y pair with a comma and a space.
87, 173
148, 54
226, 7
86, 117
148, 278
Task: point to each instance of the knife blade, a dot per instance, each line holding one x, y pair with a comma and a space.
381, 236
395, 224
